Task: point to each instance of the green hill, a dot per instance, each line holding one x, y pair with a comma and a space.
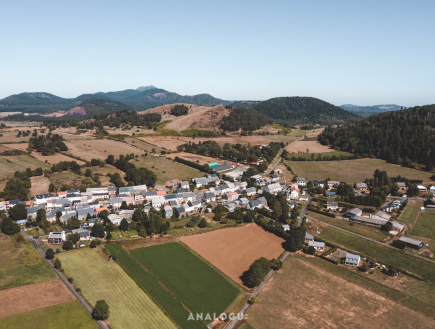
245, 104
401, 137
365, 111
118, 95
34, 102
303, 110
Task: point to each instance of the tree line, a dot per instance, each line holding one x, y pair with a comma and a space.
48, 144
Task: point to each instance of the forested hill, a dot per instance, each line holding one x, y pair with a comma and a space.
303, 110
34, 102
365, 111
400, 137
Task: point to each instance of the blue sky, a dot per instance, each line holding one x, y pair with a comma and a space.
366, 52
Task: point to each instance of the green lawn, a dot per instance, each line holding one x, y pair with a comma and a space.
167, 170
130, 306
21, 264
328, 154
290, 137
351, 171
193, 281
425, 226
383, 254
159, 294
411, 212
70, 315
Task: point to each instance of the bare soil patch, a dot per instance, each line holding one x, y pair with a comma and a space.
233, 250
34, 296
39, 185
312, 146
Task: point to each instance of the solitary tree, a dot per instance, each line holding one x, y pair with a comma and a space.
364, 267
101, 310
9, 227
57, 264
124, 225
18, 212
68, 245
108, 236
202, 223
49, 254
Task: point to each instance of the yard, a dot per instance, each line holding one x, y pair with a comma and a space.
167, 170
351, 171
70, 315
20, 263
233, 250
304, 296
193, 282
130, 307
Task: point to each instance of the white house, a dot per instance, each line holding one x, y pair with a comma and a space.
332, 205
352, 259
273, 188
115, 219
302, 181
42, 198
158, 202
320, 246
56, 237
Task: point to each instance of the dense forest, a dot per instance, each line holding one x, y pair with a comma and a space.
402, 137
48, 144
121, 118
179, 110
303, 110
247, 120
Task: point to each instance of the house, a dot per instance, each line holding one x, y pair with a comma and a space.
181, 211
85, 235
274, 178
209, 197
93, 221
22, 221
259, 203
413, 243
292, 204
361, 186
432, 188
56, 237
353, 212
330, 194
421, 188
352, 259
318, 183
401, 185
397, 227
273, 188
308, 238
139, 188
128, 190
115, 219
42, 198
251, 191
126, 213
301, 181
286, 227
332, 183
232, 196
173, 203
331, 205
31, 211
390, 206
185, 185
294, 193
158, 202
231, 206
83, 213
115, 202
319, 246
168, 212
430, 203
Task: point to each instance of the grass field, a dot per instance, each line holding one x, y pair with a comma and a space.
383, 254
351, 171
329, 154
159, 294
167, 170
411, 212
130, 307
20, 264
290, 137
99, 148
70, 315
304, 296
425, 226
11, 164
194, 282
72, 180
141, 144
11, 137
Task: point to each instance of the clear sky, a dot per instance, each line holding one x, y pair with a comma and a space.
365, 52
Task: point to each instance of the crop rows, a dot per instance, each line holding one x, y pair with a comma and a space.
161, 296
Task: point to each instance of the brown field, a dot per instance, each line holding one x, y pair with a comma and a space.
304, 296
312, 146
34, 296
55, 158
193, 157
5, 114
17, 146
39, 185
10, 136
99, 148
233, 250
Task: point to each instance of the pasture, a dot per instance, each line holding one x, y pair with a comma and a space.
20, 263
411, 212
130, 307
10, 136
201, 159
311, 146
305, 296
99, 148
194, 282
31, 297
11, 164
425, 226
165, 169
233, 250
154, 289
351, 171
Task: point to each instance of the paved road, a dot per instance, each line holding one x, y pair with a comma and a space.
255, 294
364, 237
301, 217
279, 159
80, 299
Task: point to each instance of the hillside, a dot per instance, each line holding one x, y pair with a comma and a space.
245, 104
34, 102
365, 111
118, 95
401, 137
303, 110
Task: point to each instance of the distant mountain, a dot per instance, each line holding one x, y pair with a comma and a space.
107, 104
303, 110
365, 111
118, 95
85, 97
34, 102
146, 88
245, 104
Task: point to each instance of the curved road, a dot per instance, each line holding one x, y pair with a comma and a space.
80, 299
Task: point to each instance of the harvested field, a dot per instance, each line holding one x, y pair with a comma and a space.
40, 185
351, 171
10, 136
55, 158
20, 263
233, 250
193, 157
17, 146
130, 306
99, 148
11, 164
312, 146
34, 296
304, 296
141, 144
69, 315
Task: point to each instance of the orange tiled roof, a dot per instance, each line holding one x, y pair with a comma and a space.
161, 192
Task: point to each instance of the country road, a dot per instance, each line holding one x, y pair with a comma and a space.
80, 299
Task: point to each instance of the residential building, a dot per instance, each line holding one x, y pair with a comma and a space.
292, 204
209, 197
294, 193
31, 211
126, 213
56, 237
185, 185
259, 203
286, 227
332, 205
251, 191
232, 196
93, 221
85, 235
401, 185
273, 188
319, 246
181, 211
158, 202
42, 198
115, 202
115, 219
318, 183
330, 194
332, 183
352, 259
82, 214
302, 181
308, 238
361, 186
168, 212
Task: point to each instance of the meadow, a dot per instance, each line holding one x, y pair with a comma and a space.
193, 281
11, 164
99, 148
20, 263
159, 294
424, 226
130, 307
70, 315
304, 296
411, 212
351, 171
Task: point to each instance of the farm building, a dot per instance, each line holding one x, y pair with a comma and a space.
353, 212
397, 227
413, 243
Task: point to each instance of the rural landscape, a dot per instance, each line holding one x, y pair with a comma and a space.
279, 173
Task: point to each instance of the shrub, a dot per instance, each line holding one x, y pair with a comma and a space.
78, 290
202, 223
57, 263
49, 254
68, 245
252, 300
93, 243
70, 280
101, 310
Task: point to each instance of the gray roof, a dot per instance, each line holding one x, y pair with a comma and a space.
115, 200
301, 179
84, 234
209, 195
308, 236
173, 203
32, 209
43, 196
250, 190
180, 209
126, 189
353, 259
93, 220
221, 168
411, 241
85, 211
316, 244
